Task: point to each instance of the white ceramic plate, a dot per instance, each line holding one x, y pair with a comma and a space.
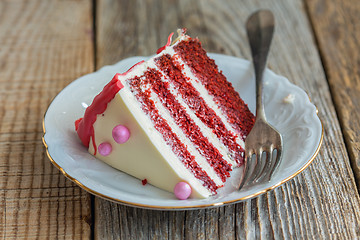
296, 120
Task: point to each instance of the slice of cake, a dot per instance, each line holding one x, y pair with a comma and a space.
171, 119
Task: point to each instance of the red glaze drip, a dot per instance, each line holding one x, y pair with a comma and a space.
84, 126
144, 181
167, 44
77, 123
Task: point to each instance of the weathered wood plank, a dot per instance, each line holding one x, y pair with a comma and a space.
44, 46
322, 202
337, 29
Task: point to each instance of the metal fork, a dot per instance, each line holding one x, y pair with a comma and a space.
263, 145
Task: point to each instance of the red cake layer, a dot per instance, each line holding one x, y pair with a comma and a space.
215, 82
169, 137
187, 125
196, 103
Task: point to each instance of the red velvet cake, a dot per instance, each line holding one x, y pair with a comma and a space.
173, 121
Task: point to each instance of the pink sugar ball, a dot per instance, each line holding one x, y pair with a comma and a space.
105, 148
182, 190
120, 134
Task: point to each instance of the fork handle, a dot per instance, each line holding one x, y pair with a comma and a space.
260, 29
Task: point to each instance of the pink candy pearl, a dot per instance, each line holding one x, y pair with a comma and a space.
120, 134
182, 190
105, 148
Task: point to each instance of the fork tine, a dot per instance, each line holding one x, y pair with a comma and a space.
245, 171
248, 168
273, 163
276, 162
265, 165
258, 166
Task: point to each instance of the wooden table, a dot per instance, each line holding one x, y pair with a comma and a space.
45, 45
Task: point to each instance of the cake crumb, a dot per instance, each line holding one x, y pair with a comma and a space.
144, 182
289, 98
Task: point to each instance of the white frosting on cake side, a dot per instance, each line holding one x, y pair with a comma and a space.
140, 156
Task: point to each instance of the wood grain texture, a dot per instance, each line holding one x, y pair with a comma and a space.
44, 46
320, 203
337, 30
